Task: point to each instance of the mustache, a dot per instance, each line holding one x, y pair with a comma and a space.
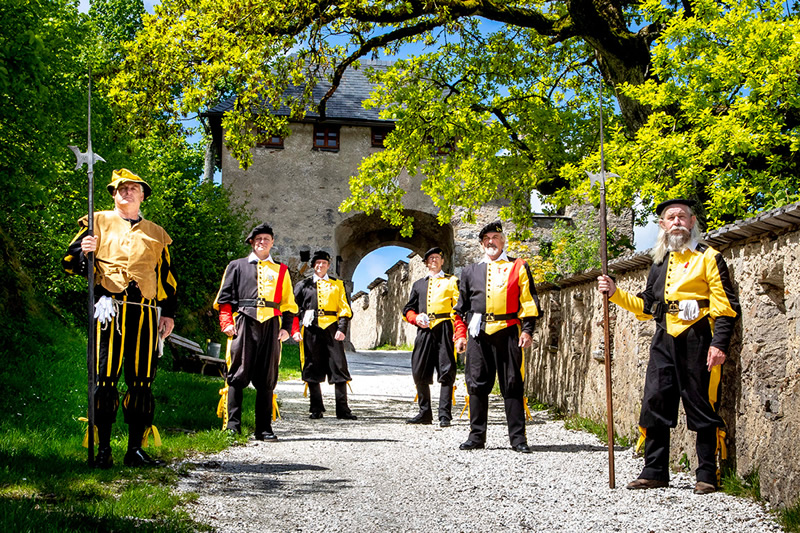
680, 229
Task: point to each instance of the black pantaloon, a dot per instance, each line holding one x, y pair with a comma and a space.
488, 355
678, 371
255, 356
433, 349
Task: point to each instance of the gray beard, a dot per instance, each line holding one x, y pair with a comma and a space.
677, 242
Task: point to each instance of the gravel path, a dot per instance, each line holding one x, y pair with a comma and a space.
379, 474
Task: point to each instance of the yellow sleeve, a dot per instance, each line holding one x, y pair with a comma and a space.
631, 303
288, 305
344, 305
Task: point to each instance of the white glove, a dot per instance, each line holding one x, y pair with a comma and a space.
308, 318
423, 320
475, 324
689, 310
104, 310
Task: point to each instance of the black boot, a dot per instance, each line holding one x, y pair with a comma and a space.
136, 456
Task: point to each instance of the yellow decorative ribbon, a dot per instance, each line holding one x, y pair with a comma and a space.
276, 413
350, 387
454, 394
86, 435
466, 407
640, 443
305, 390
722, 448
528, 415
152, 430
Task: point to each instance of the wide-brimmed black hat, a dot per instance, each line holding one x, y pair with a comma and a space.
320, 255
261, 228
495, 227
679, 201
434, 250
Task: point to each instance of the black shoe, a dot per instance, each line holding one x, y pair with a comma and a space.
522, 448
347, 416
444, 423
266, 436
421, 418
103, 459
138, 457
315, 416
469, 445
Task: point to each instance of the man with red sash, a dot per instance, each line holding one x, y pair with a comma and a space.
325, 314
690, 295
430, 308
498, 302
256, 307
136, 302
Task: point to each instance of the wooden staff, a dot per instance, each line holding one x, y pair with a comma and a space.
601, 179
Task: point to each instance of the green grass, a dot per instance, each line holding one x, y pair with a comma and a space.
45, 483
789, 518
598, 429
392, 347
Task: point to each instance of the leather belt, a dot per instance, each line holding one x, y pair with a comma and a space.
323, 312
259, 302
496, 317
672, 307
435, 316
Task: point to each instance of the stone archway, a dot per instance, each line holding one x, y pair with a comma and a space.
360, 234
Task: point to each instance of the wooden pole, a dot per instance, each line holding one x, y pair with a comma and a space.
606, 325
91, 341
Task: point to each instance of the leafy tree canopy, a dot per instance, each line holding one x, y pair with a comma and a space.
499, 98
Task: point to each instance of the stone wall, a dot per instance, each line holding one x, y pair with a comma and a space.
761, 378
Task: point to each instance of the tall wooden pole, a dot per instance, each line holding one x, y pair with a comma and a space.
606, 325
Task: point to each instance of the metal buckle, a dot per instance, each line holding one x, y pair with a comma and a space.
674, 307
490, 317
260, 302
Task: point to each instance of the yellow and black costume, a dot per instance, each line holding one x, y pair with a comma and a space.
257, 297
132, 267
324, 310
435, 296
678, 368
498, 301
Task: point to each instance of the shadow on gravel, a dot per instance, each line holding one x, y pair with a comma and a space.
236, 467
568, 448
333, 439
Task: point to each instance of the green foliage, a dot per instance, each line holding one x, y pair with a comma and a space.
499, 99
789, 518
392, 347
748, 486
724, 122
570, 250
598, 429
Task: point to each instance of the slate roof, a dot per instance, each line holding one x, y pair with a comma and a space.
346, 104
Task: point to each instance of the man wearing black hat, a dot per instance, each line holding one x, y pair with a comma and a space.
256, 307
430, 308
690, 295
325, 314
498, 302
136, 303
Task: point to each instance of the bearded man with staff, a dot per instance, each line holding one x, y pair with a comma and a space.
690, 295
136, 299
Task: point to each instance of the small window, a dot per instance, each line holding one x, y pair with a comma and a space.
273, 141
379, 135
326, 137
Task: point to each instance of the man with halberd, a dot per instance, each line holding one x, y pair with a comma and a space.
135, 304
325, 313
430, 308
256, 307
690, 295
498, 302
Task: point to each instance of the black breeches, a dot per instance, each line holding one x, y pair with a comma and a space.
433, 350
323, 356
130, 340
